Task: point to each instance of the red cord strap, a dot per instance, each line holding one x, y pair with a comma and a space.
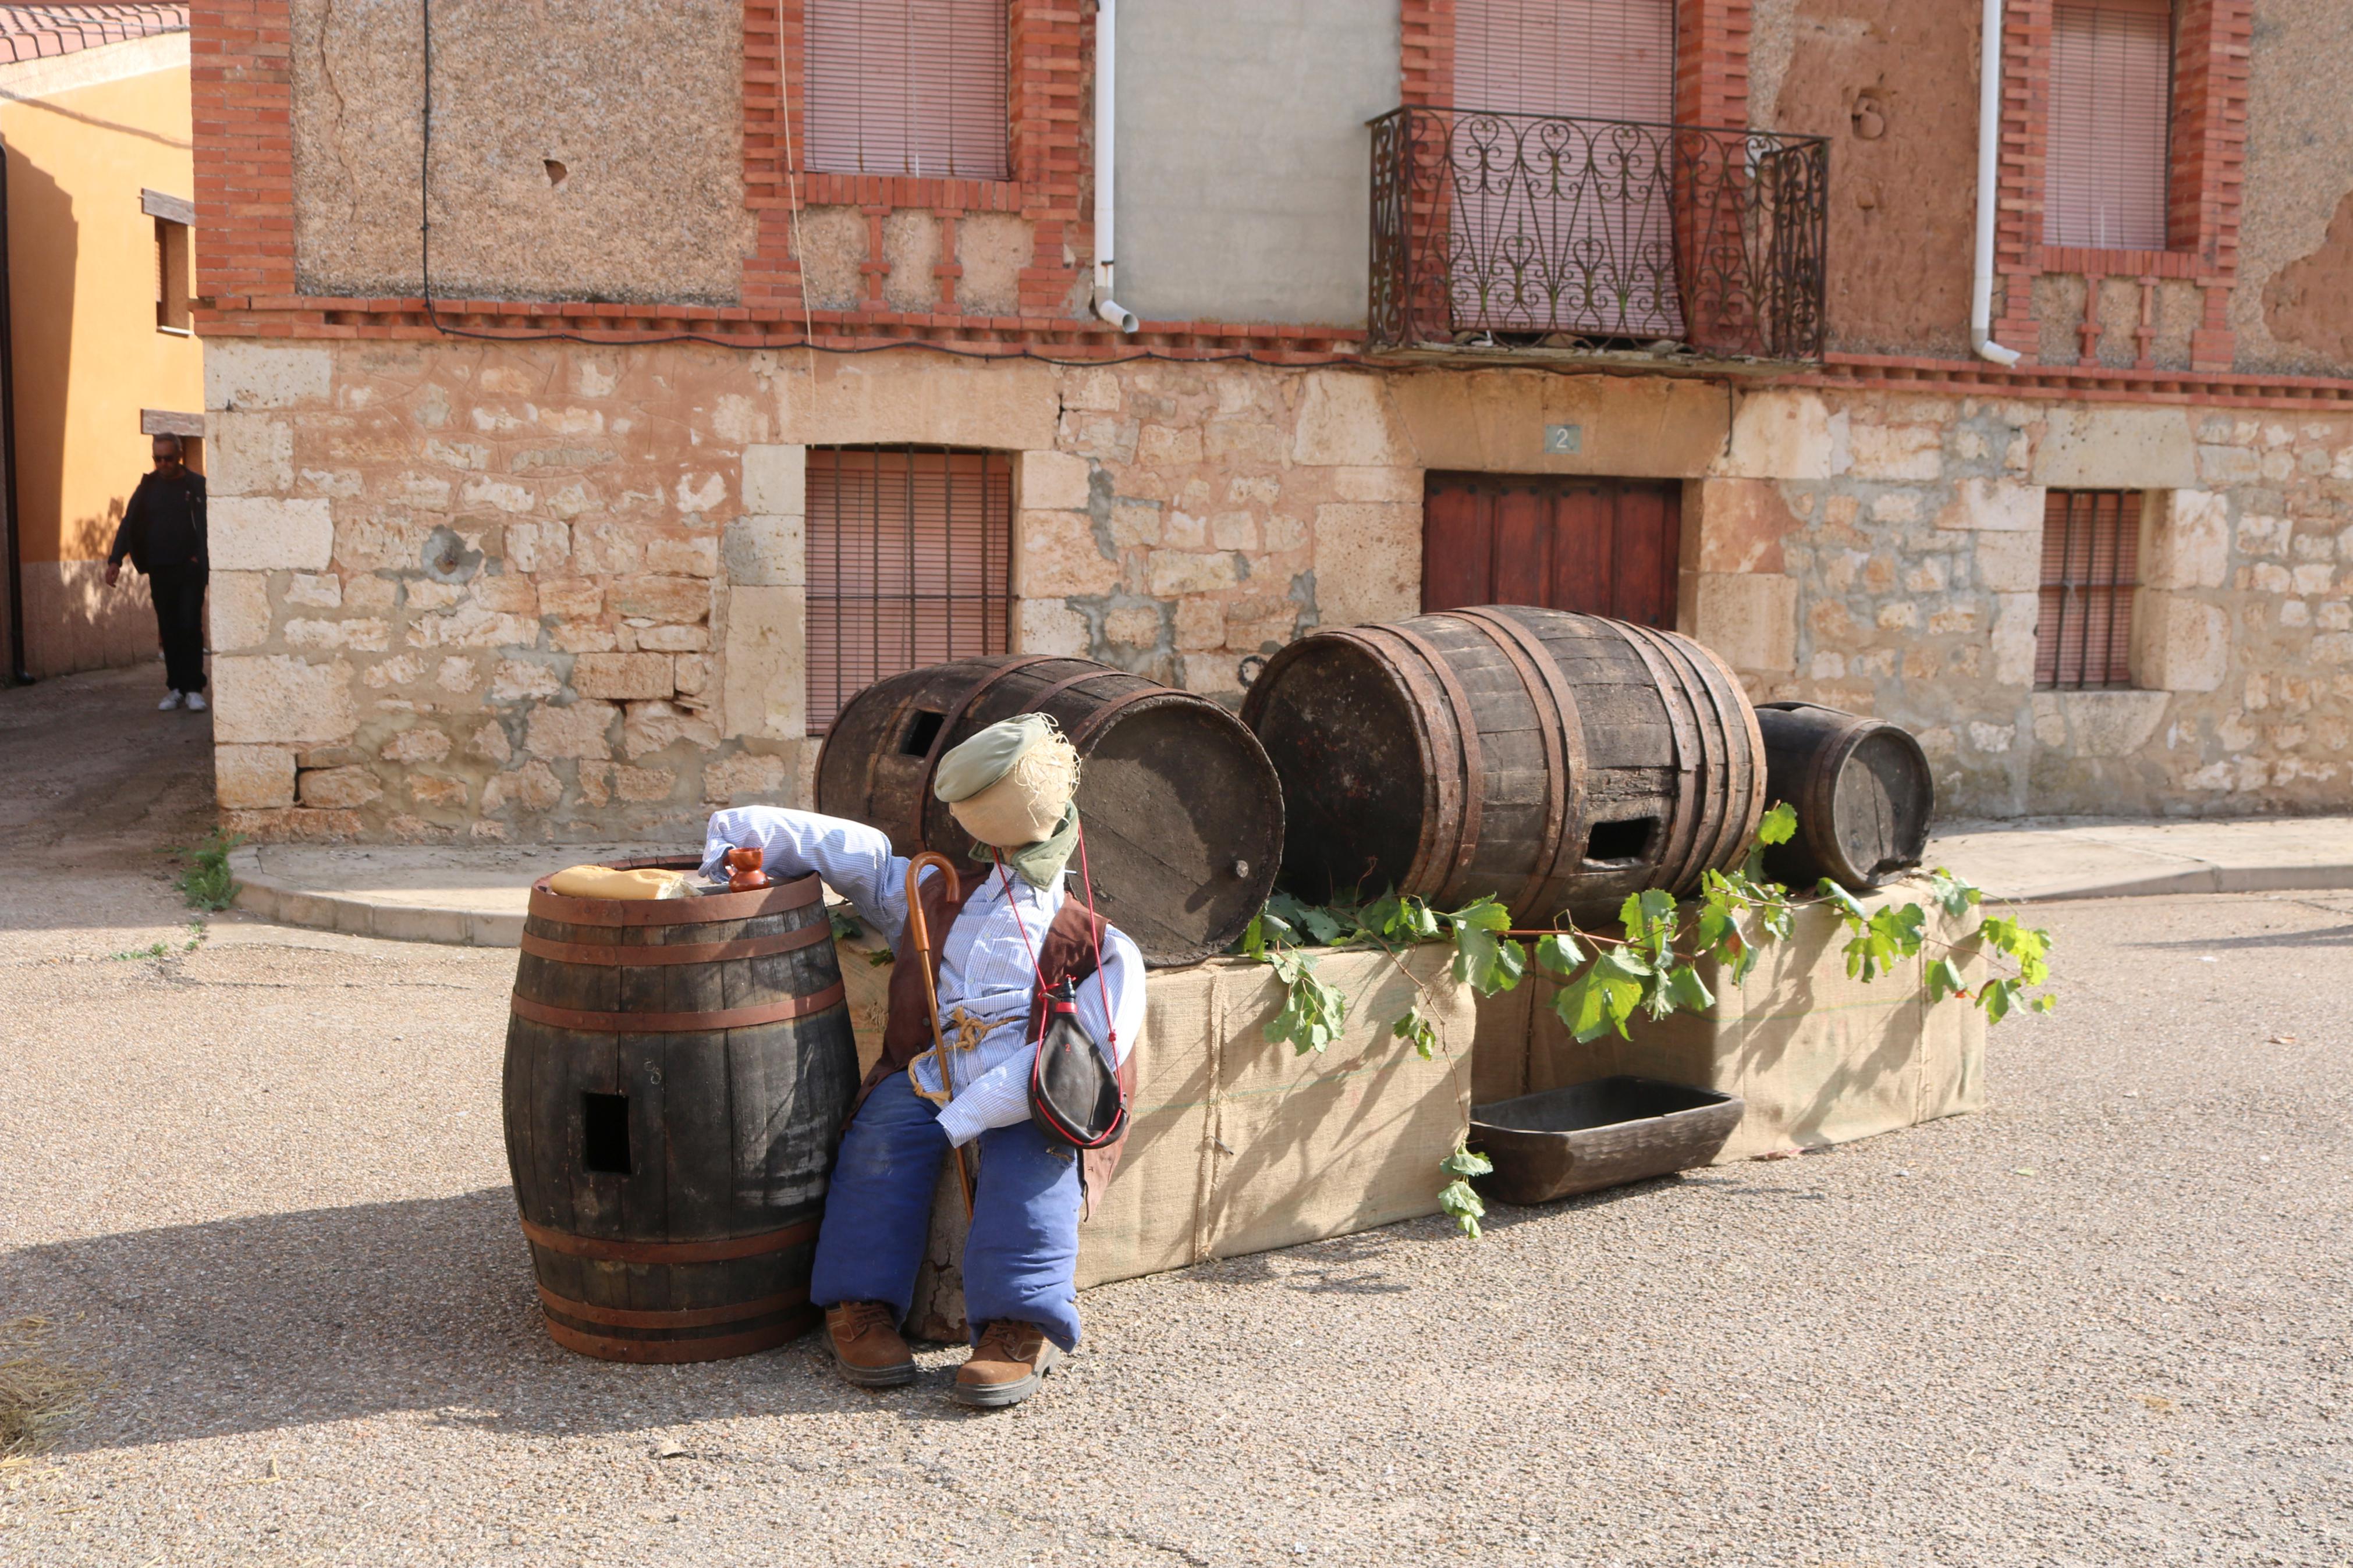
1094, 934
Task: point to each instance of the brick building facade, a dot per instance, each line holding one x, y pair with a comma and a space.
515, 535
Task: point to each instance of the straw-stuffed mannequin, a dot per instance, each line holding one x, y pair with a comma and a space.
1013, 930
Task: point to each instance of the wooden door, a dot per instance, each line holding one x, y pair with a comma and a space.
1597, 546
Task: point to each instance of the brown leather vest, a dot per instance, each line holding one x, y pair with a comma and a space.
1068, 953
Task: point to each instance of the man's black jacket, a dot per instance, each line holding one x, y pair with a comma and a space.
165, 523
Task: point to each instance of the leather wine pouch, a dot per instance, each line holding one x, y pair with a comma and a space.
1074, 1095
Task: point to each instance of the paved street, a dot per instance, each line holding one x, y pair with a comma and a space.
260, 1189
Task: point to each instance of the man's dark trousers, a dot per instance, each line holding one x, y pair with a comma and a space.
179, 595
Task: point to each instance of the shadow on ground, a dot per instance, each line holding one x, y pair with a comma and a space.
276, 1320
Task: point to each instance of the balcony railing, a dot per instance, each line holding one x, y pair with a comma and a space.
1538, 230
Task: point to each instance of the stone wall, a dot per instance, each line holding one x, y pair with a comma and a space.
592, 150
1882, 553
553, 591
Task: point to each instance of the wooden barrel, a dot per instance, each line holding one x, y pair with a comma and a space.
676, 1073
1557, 760
1862, 790
1183, 816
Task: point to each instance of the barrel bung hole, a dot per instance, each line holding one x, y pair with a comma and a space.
922, 733
1621, 842
605, 1132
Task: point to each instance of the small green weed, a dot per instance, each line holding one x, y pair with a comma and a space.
197, 934
205, 881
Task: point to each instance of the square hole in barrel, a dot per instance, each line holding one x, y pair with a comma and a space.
604, 1133
922, 733
1621, 842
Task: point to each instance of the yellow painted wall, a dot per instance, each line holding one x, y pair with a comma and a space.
89, 356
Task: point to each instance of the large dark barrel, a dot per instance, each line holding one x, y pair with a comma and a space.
676, 1073
1183, 816
1557, 760
1862, 790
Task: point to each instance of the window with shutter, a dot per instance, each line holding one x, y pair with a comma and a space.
910, 556
2111, 103
1593, 193
907, 87
1605, 59
2091, 565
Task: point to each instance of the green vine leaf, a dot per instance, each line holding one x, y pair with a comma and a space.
1489, 961
2024, 945
1605, 995
1457, 1199
1559, 954
1886, 938
1955, 897
1848, 909
1945, 980
1416, 1029
1779, 824
1995, 997
1466, 1162
1685, 989
1312, 1012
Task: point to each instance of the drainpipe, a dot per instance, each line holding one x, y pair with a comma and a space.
1106, 71
17, 670
1989, 187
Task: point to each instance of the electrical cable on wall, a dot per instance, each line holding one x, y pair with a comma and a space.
809, 339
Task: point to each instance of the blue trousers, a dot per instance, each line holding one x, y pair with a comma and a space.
1020, 1261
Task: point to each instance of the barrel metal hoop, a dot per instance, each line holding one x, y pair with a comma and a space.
717, 1348
955, 716
1684, 836
1037, 703
677, 1022
677, 1317
1563, 733
1424, 698
723, 1249
1738, 718
654, 956
1466, 734
1103, 715
1724, 785
796, 894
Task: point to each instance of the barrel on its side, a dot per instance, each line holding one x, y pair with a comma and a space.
1557, 760
676, 1073
1862, 790
1182, 813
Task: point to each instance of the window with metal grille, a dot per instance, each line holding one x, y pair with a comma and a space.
2111, 103
2091, 565
907, 87
910, 559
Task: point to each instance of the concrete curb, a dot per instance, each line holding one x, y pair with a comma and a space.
261, 894
2200, 878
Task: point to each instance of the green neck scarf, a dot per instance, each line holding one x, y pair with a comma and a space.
1040, 864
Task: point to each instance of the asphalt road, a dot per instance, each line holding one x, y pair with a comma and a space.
260, 1189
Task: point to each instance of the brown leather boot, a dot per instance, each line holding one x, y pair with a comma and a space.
866, 1345
1011, 1360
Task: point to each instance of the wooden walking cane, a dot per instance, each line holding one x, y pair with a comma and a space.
920, 930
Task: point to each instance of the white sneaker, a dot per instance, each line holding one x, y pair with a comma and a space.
170, 700
196, 703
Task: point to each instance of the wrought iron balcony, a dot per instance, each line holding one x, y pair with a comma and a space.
1538, 231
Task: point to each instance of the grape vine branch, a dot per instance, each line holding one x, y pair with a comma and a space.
1652, 968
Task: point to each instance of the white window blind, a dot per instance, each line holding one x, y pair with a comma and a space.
1609, 59
907, 86
2111, 99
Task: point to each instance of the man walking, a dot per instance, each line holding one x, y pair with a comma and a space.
163, 532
